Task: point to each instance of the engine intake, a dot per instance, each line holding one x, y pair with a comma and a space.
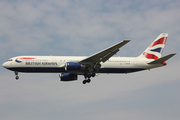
67, 77
73, 66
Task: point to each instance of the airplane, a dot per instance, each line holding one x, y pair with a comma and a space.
70, 67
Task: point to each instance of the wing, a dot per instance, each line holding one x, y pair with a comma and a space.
104, 55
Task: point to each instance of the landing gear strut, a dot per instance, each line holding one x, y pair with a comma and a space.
16, 73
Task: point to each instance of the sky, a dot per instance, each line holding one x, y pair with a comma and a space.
82, 28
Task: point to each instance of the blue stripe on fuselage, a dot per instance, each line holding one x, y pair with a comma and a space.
59, 70
38, 69
120, 70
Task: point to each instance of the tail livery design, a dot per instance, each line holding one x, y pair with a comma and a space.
155, 50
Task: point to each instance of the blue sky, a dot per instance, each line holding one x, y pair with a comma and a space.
76, 27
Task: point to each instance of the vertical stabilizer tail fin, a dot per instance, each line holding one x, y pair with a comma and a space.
155, 50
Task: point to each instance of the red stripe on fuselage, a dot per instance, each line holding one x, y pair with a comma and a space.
27, 58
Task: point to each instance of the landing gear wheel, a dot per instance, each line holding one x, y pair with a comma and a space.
17, 77
93, 74
84, 82
88, 81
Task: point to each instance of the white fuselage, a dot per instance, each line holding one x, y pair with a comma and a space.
56, 64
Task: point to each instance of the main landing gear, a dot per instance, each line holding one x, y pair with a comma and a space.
87, 77
16, 73
86, 81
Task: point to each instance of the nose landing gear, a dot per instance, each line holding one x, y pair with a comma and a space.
17, 77
16, 73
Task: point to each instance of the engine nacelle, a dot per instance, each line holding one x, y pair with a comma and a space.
73, 66
67, 77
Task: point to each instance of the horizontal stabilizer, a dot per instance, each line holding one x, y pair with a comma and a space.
163, 59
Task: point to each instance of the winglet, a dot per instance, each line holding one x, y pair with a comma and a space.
162, 60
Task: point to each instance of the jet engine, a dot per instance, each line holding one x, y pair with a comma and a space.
67, 77
73, 66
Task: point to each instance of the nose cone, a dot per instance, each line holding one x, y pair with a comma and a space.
5, 65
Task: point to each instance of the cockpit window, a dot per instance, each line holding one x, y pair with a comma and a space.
10, 60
